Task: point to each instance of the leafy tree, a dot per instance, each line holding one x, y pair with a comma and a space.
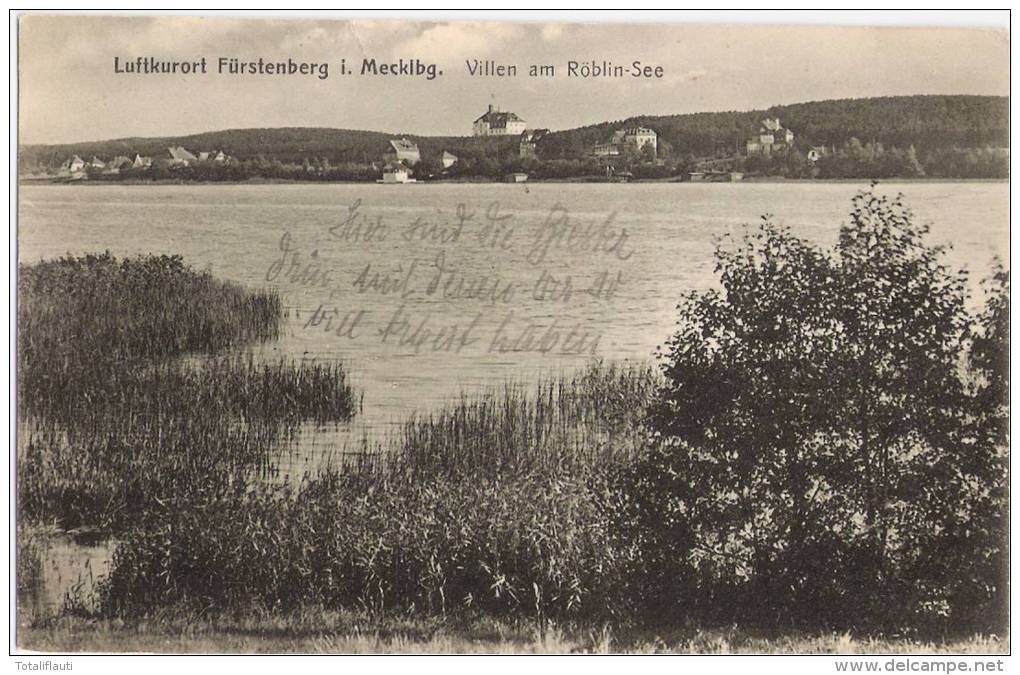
647, 153
427, 167
989, 361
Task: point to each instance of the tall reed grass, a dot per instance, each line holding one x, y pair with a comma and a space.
135, 308
494, 503
114, 419
573, 422
509, 502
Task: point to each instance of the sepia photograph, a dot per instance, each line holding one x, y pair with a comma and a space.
630, 334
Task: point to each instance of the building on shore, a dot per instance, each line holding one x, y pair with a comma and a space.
215, 156
396, 172
772, 137
530, 139
497, 123
632, 139
141, 162
115, 165
402, 150
518, 177
181, 157
448, 159
74, 165
639, 137
607, 149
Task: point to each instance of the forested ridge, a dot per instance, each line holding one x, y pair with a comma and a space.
950, 136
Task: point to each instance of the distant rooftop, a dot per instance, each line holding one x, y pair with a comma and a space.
404, 145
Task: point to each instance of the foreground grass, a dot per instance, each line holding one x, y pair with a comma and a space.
327, 632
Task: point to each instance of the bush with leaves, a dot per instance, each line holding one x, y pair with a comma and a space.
818, 457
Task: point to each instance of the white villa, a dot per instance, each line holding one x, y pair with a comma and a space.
633, 137
496, 123
771, 137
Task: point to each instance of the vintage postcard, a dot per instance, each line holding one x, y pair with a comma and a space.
348, 335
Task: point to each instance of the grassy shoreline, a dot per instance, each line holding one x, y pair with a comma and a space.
583, 180
316, 631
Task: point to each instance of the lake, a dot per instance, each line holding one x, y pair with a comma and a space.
449, 302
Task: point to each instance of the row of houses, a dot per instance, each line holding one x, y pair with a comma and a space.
404, 151
772, 137
77, 167
404, 154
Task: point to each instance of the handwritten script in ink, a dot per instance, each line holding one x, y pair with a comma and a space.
467, 279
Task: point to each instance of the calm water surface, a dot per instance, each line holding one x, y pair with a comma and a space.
235, 231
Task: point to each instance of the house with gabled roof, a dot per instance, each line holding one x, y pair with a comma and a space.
530, 139
74, 165
448, 159
634, 138
403, 150
116, 164
181, 157
772, 136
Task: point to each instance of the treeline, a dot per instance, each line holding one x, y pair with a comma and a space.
854, 159
262, 146
903, 136
851, 160
926, 122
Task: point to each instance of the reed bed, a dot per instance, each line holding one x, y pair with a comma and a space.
233, 386
113, 418
510, 502
591, 418
96, 307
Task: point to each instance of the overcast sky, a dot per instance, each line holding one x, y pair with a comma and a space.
69, 91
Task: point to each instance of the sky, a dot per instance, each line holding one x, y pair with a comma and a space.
68, 90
